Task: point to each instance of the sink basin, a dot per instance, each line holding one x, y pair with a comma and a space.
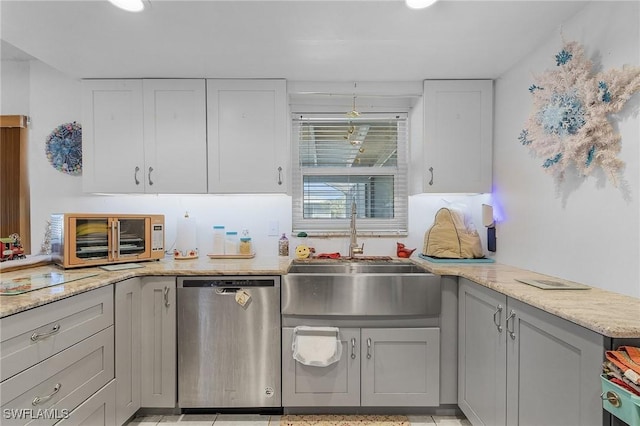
360, 288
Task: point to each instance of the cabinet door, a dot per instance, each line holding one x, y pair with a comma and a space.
335, 385
158, 351
128, 346
248, 142
112, 136
400, 367
482, 360
553, 370
458, 131
175, 136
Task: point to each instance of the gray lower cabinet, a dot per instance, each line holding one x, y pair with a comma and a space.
378, 367
518, 365
335, 385
158, 351
128, 295
400, 367
145, 345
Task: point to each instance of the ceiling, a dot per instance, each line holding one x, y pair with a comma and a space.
330, 40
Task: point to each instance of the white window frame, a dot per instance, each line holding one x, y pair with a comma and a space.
397, 226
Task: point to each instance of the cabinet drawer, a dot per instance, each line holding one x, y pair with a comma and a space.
623, 404
61, 382
99, 410
34, 335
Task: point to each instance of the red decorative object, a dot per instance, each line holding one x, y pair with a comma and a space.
11, 248
404, 252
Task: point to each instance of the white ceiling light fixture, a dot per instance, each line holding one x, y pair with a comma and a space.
419, 4
128, 5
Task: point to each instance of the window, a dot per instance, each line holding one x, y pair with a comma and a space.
340, 159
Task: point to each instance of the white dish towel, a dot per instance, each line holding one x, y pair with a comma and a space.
316, 346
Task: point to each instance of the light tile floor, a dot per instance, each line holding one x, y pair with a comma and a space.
258, 420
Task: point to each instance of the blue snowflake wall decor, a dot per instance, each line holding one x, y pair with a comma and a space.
64, 148
569, 124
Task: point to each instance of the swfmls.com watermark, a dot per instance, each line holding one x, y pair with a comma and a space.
34, 414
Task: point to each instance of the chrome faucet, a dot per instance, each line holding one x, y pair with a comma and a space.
353, 238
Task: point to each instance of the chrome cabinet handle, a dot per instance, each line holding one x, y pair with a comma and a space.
279, 175
135, 175
431, 181
166, 297
369, 348
353, 348
40, 399
37, 336
512, 314
499, 322
150, 170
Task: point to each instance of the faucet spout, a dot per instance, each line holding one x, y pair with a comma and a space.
353, 235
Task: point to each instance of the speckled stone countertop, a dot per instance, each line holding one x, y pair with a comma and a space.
607, 313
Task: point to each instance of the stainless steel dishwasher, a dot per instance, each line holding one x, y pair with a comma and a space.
229, 342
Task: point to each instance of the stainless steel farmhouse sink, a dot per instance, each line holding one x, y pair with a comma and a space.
360, 288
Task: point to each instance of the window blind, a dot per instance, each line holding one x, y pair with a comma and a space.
338, 159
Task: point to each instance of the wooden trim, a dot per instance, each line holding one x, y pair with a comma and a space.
13, 121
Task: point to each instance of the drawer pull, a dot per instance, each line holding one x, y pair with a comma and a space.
37, 336
40, 399
612, 397
369, 348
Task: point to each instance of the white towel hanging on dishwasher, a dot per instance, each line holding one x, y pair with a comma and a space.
316, 346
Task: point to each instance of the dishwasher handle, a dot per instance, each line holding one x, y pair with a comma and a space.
226, 291
231, 283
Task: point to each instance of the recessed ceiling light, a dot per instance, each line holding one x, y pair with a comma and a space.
128, 5
419, 4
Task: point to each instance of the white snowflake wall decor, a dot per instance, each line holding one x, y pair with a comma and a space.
569, 123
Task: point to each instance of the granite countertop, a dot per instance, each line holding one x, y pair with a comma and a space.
605, 312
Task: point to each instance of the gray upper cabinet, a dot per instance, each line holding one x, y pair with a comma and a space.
520, 365
248, 143
458, 136
144, 136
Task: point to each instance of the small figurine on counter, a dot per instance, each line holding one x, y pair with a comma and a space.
11, 248
302, 252
404, 252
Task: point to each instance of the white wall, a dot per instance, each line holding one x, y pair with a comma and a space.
584, 230
14, 87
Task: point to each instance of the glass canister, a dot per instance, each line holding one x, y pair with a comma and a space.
231, 242
283, 246
245, 245
218, 239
